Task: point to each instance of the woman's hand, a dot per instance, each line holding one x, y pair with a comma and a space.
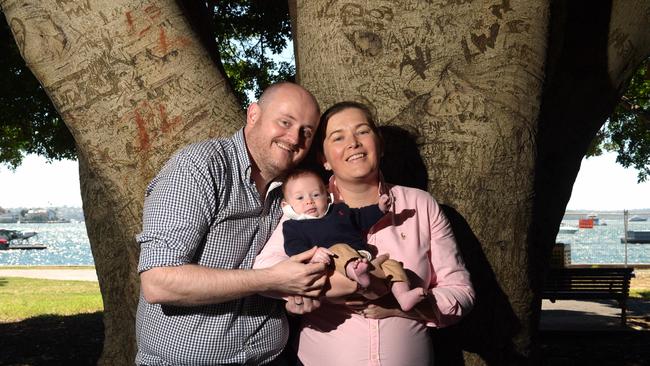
301, 305
373, 311
388, 306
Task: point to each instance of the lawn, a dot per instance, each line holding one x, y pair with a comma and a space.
23, 298
53, 322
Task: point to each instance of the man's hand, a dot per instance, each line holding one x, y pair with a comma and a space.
295, 276
301, 305
384, 202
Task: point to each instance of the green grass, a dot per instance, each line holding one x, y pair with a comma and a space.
22, 298
640, 293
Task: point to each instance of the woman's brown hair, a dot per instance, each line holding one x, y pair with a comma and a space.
339, 107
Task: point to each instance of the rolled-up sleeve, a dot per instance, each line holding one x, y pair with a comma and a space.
450, 281
176, 214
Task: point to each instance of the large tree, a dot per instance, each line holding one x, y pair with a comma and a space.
249, 36
501, 98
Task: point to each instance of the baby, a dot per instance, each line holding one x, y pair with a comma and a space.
314, 221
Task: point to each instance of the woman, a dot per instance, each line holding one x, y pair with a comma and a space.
415, 232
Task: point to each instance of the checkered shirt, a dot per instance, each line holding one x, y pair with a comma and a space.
203, 208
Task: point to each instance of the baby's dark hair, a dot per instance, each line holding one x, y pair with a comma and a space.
297, 173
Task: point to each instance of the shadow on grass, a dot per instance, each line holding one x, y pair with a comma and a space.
53, 340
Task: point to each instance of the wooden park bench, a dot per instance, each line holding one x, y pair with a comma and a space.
600, 283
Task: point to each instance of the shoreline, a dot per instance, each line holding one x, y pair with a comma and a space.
67, 273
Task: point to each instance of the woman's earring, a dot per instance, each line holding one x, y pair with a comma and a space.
327, 166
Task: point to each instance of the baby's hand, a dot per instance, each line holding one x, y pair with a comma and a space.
385, 202
322, 255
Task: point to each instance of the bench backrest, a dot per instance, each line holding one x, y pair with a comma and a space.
589, 280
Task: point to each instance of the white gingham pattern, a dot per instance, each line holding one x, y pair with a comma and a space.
204, 208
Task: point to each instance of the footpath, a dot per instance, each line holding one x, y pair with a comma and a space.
52, 273
594, 316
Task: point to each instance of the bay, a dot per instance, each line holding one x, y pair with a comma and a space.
602, 244
67, 244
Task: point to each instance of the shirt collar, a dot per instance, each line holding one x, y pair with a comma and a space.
293, 215
241, 151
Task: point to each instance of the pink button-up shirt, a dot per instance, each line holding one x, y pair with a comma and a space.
416, 233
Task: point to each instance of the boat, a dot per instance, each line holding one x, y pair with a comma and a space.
594, 218
637, 237
16, 239
586, 223
638, 218
567, 229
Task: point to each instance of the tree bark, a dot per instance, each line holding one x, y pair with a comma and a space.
133, 83
495, 98
465, 78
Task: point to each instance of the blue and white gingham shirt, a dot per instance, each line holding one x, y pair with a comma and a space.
203, 208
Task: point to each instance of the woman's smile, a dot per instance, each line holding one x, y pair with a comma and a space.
356, 156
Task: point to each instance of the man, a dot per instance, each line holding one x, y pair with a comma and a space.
207, 214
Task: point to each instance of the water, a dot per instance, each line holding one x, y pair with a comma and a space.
602, 244
67, 244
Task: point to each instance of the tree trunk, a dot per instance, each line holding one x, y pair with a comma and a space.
486, 94
465, 79
133, 83
501, 98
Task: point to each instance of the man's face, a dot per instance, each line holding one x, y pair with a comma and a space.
280, 130
307, 195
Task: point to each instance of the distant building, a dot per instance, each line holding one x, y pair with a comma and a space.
9, 218
42, 215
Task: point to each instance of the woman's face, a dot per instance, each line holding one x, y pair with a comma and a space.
351, 148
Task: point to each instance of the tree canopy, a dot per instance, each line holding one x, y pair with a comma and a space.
627, 131
249, 36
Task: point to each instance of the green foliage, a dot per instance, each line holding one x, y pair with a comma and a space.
29, 124
46, 297
627, 131
248, 34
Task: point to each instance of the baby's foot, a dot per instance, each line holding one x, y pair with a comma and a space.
357, 270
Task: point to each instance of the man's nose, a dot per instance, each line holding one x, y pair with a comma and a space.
293, 135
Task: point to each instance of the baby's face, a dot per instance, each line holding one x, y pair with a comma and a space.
306, 195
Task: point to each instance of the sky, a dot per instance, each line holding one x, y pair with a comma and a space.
602, 184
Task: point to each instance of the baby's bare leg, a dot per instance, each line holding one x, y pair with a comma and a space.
406, 297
